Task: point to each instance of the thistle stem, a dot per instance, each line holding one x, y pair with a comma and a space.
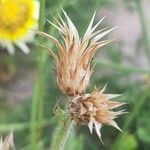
62, 133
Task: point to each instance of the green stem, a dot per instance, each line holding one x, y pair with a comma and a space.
144, 27
62, 133
37, 102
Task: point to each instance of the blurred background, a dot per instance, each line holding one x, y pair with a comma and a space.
123, 65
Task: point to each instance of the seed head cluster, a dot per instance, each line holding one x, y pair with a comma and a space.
73, 70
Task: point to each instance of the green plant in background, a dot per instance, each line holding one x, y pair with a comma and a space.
126, 142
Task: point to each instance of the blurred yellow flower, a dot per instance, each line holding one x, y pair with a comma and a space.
16, 19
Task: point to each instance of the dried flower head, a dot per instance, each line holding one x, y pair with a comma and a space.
75, 54
7, 143
95, 110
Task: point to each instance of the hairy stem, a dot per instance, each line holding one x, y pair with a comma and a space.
61, 133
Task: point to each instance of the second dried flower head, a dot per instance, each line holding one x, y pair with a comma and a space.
95, 110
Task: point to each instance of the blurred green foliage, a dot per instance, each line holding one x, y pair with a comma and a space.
126, 142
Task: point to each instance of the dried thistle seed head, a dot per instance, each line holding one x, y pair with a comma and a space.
75, 54
95, 110
7, 143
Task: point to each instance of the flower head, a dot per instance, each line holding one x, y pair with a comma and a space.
95, 110
7, 143
16, 19
75, 54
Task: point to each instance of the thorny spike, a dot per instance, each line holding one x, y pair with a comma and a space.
49, 50
103, 89
59, 29
98, 37
97, 128
90, 125
114, 124
110, 96
89, 27
54, 40
71, 26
